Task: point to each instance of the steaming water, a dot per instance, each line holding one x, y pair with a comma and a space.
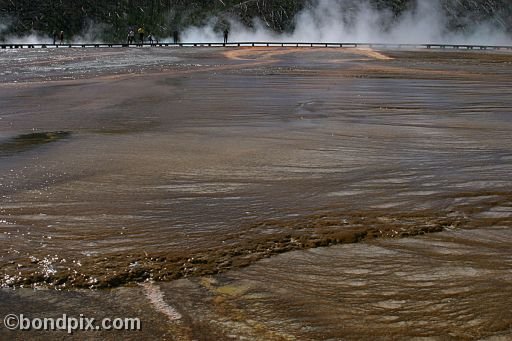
167, 164
425, 21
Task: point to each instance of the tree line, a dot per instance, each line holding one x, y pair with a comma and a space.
162, 17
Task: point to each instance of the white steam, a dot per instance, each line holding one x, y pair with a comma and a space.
328, 21
338, 21
31, 38
91, 34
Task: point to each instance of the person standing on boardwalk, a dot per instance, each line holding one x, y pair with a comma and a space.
61, 37
150, 39
140, 31
176, 37
54, 37
226, 35
131, 36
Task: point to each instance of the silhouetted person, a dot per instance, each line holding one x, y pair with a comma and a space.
61, 37
176, 37
226, 35
131, 36
150, 39
141, 34
54, 37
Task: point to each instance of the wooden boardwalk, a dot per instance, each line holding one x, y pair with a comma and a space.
261, 44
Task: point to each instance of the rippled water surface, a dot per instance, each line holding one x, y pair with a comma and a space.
194, 166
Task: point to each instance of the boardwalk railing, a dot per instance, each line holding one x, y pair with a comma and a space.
262, 44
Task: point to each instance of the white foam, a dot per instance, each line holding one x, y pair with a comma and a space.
156, 298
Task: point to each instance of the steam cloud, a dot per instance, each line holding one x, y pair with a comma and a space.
331, 21
91, 34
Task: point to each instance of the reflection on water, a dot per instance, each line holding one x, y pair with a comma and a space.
55, 64
208, 164
26, 142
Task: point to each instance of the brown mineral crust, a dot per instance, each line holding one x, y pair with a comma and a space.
318, 230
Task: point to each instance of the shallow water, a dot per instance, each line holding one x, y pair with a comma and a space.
190, 162
454, 285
